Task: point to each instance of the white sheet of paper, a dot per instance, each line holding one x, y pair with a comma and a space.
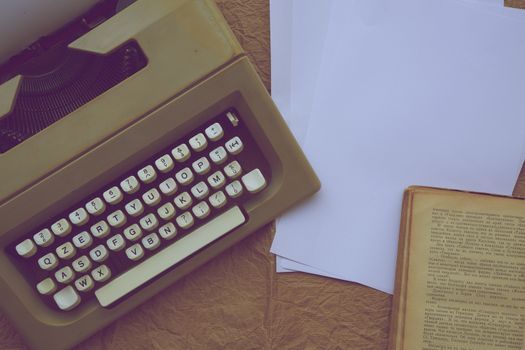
297, 49
295, 39
279, 268
281, 53
298, 31
287, 265
304, 71
295, 36
411, 92
24, 21
309, 29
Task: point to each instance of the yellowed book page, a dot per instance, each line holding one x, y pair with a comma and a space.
466, 273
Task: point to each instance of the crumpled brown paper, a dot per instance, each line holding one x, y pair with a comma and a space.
237, 301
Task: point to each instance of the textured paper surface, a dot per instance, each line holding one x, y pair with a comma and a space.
237, 301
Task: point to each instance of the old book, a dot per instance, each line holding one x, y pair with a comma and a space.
460, 280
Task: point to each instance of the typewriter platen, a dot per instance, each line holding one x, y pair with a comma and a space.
139, 140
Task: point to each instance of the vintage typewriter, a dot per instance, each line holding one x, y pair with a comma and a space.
136, 143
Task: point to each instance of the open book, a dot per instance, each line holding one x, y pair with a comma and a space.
460, 280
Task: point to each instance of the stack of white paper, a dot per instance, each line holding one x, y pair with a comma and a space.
383, 95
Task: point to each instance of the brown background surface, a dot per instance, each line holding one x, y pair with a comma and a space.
237, 301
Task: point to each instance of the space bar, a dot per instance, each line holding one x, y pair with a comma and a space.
171, 255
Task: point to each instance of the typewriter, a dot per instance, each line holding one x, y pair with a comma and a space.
136, 143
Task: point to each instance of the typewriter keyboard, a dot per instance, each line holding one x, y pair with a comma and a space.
148, 220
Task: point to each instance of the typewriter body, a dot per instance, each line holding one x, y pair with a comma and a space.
133, 149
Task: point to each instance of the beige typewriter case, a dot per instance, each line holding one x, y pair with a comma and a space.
195, 71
